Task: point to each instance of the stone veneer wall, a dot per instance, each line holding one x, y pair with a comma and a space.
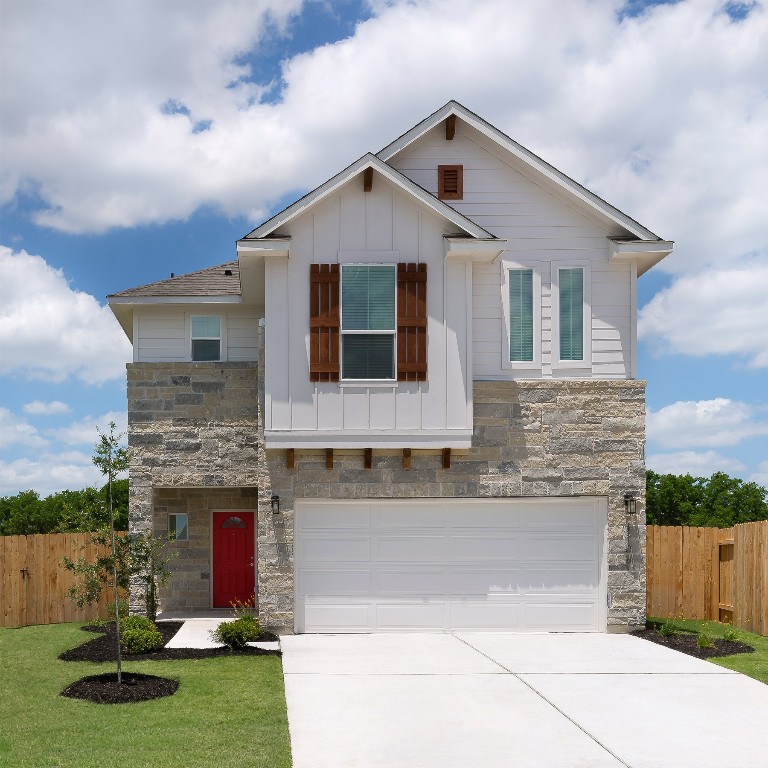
531, 438
193, 434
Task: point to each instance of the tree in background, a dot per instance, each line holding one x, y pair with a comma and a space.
718, 502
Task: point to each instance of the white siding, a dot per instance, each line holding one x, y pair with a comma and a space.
541, 230
352, 226
161, 333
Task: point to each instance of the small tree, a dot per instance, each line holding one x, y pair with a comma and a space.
111, 458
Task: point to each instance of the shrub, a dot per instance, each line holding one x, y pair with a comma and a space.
731, 635
141, 640
704, 640
667, 630
237, 633
136, 622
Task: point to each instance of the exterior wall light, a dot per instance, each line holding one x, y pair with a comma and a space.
630, 502
275, 503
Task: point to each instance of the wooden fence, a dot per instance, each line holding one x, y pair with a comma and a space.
34, 583
718, 574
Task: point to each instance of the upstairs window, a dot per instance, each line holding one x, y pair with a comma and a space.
450, 182
368, 325
206, 338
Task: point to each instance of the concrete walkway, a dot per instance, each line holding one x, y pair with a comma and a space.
529, 701
196, 633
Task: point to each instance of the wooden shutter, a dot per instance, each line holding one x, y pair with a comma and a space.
411, 322
450, 182
324, 322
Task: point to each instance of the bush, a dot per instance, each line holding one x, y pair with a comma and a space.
137, 622
704, 640
237, 633
667, 629
731, 635
141, 640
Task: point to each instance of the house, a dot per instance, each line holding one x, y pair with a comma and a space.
409, 404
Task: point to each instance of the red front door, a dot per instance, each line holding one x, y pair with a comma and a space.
233, 564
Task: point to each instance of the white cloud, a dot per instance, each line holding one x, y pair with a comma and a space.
16, 431
40, 408
761, 476
83, 431
665, 114
716, 312
50, 331
700, 423
49, 473
695, 463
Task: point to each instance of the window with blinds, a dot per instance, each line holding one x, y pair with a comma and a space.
368, 325
520, 283
571, 319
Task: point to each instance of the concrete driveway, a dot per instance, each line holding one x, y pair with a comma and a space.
475, 700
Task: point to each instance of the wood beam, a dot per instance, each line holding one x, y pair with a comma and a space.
290, 458
329, 458
367, 179
450, 127
406, 458
368, 458
446, 458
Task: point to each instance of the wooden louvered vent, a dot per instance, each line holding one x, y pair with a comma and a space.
450, 182
324, 322
411, 322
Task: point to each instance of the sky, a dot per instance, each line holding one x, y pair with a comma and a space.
143, 138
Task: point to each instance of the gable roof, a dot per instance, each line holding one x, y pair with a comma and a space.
370, 161
539, 167
221, 280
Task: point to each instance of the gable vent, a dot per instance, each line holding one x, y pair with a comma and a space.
450, 182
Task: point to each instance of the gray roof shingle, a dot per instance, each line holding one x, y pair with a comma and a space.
222, 280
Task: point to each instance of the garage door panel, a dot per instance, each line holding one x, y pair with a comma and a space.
411, 582
408, 516
324, 516
325, 617
564, 548
483, 582
484, 547
484, 616
578, 514
564, 616
344, 581
410, 616
339, 549
410, 549
479, 517
559, 581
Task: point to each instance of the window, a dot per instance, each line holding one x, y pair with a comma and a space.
450, 182
177, 527
522, 316
206, 337
368, 321
572, 316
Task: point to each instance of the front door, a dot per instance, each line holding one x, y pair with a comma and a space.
233, 564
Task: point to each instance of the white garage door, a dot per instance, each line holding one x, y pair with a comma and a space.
425, 565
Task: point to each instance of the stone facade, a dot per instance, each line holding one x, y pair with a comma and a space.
194, 425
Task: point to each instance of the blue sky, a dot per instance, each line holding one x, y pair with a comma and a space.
143, 138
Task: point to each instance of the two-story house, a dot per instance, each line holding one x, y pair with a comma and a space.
411, 402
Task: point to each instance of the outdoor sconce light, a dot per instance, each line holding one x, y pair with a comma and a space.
630, 502
275, 502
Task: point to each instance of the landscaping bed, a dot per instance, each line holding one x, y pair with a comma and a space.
104, 689
102, 648
688, 642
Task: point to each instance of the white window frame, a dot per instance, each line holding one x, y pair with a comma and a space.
342, 332
586, 362
175, 515
506, 267
221, 338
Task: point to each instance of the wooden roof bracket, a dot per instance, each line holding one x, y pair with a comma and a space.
368, 179
450, 127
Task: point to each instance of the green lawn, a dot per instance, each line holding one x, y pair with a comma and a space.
228, 712
751, 664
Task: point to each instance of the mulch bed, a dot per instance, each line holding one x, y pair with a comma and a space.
103, 689
102, 648
686, 642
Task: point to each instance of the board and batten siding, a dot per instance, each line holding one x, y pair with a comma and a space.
385, 226
161, 333
542, 231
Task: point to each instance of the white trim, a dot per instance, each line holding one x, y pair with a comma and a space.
473, 249
643, 253
535, 267
190, 299
449, 438
586, 362
394, 176
633, 320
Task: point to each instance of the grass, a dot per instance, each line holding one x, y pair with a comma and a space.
751, 664
228, 712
